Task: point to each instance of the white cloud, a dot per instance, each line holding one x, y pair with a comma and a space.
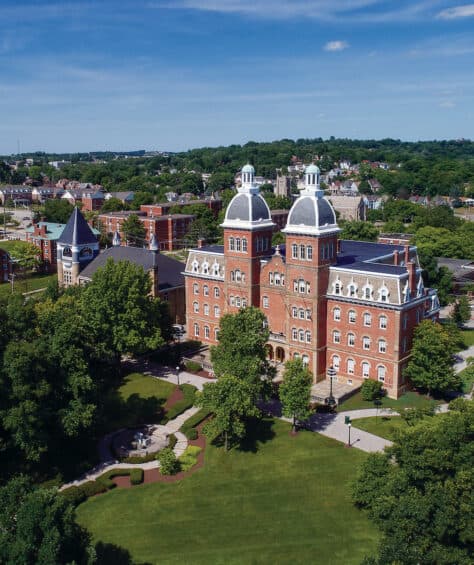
336, 45
465, 11
447, 104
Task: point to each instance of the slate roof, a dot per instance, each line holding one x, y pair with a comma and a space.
311, 212
248, 207
77, 230
363, 255
169, 270
211, 249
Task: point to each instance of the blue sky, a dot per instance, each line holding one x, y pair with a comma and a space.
175, 74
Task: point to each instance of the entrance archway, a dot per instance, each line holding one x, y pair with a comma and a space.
280, 354
269, 350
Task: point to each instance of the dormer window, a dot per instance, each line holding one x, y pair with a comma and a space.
205, 268
215, 269
383, 294
195, 266
367, 292
352, 290
337, 287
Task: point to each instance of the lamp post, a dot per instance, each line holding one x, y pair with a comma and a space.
349, 429
331, 401
177, 374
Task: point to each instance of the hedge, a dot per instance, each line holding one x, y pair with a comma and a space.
189, 458
78, 494
135, 459
188, 428
136, 476
181, 406
193, 366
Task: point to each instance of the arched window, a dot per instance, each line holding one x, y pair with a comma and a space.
196, 307
337, 287
244, 244
305, 360
301, 335
381, 371
302, 252
383, 294
206, 332
215, 269
308, 337
205, 290
217, 312
351, 339
336, 362
383, 322
206, 309
294, 334
205, 268
350, 366
296, 355
196, 330
195, 288
366, 343
294, 251
352, 316
216, 334
367, 292
367, 319
67, 252
231, 244
336, 336
217, 292
365, 369
85, 252
337, 314
352, 290
382, 346
195, 266
309, 252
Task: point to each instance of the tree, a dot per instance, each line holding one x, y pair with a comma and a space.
57, 210
140, 198
361, 231
241, 348
231, 400
37, 527
112, 205
120, 312
134, 230
419, 492
462, 311
295, 391
431, 363
26, 255
371, 390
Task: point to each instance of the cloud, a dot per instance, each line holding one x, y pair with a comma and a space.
465, 11
447, 104
336, 45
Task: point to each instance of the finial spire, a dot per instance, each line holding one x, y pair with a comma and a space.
154, 246
116, 239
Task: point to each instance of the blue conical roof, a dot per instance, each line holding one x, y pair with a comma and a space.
77, 231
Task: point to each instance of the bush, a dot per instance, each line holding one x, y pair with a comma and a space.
172, 441
136, 476
136, 459
192, 366
106, 478
169, 465
74, 495
181, 406
189, 457
188, 428
91, 488
371, 389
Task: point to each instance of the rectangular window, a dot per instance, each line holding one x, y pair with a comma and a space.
382, 346
216, 292
294, 251
383, 323
351, 340
265, 302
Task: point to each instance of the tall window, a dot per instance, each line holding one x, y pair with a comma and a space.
237, 301
336, 362
366, 342
337, 314
302, 286
350, 366
244, 244
301, 314
232, 300
206, 332
383, 294
196, 307
337, 288
237, 244
305, 360
351, 339
381, 373
216, 292
383, 322
217, 312
265, 302
231, 244
352, 316
206, 309
309, 252
308, 314
294, 334
352, 290
196, 330
365, 370
336, 336
301, 335
195, 288
308, 337
294, 312
216, 334
382, 346
367, 320
302, 252
277, 279
205, 290
294, 251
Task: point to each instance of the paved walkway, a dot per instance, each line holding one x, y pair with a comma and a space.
167, 373
108, 462
461, 365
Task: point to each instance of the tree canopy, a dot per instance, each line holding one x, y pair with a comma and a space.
295, 390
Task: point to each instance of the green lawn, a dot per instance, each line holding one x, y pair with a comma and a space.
467, 338
139, 400
34, 282
281, 499
7, 244
467, 379
407, 400
386, 426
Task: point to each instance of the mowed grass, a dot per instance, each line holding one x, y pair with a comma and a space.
467, 337
408, 400
385, 426
280, 499
21, 285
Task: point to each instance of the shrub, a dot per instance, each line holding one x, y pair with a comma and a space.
181, 406
106, 478
192, 366
91, 488
136, 476
172, 441
74, 495
371, 389
188, 428
135, 459
189, 457
169, 465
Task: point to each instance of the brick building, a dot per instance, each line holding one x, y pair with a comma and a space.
163, 208
347, 304
170, 230
45, 236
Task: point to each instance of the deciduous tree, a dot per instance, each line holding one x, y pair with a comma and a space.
295, 391
134, 231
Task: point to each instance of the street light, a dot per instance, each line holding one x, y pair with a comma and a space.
331, 401
349, 429
177, 374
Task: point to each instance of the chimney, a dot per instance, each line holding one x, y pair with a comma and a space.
200, 243
396, 258
407, 254
411, 267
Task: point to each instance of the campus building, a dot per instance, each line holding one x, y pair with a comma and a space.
347, 304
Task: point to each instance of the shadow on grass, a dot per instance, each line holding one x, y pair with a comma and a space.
134, 411
259, 431
111, 554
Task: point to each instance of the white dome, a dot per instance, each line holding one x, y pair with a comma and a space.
312, 169
248, 169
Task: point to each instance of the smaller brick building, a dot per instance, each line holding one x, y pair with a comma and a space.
45, 235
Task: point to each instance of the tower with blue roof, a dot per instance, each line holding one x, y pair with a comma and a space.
76, 248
